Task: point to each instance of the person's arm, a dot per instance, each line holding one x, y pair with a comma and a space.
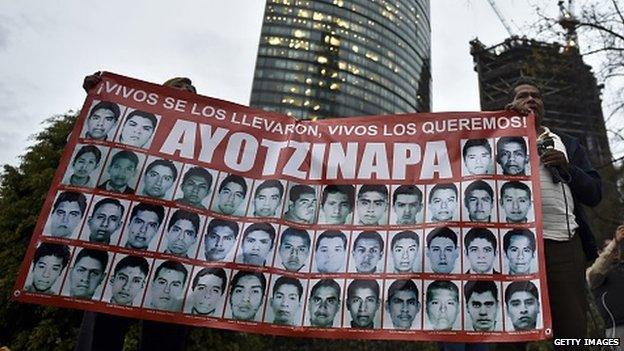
585, 184
597, 272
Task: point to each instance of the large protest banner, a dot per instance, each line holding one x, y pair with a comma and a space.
177, 207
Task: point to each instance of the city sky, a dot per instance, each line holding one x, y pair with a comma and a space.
46, 49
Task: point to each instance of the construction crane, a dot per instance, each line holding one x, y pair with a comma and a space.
501, 18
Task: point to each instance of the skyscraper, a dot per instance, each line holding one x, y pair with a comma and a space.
333, 58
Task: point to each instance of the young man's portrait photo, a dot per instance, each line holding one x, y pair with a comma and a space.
105, 221
337, 203
477, 157
48, 264
407, 205
247, 291
181, 234
443, 203
442, 251
301, 204
324, 304
267, 199
330, 252
101, 121
85, 166
143, 225
442, 306
293, 252
372, 205
516, 202
195, 188
519, 248
285, 302
482, 306
166, 289
402, 305
121, 172
481, 251
362, 304
68, 210
522, 304
207, 293
231, 196
257, 243
159, 178
127, 281
138, 128
512, 156
87, 274
404, 252
479, 201
367, 252
220, 240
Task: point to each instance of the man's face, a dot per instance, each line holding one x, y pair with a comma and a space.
158, 180
442, 204
516, 203
512, 158
84, 164
126, 285
519, 254
442, 254
85, 277
403, 307
522, 309
366, 254
336, 208
45, 272
207, 294
482, 309
529, 97
65, 218
230, 198
478, 160
137, 131
256, 247
246, 298
266, 202
442, 309
167, 289
294, 252
323, 306
142, 229
100, 123
371, 207
195, 189
479, 204
104, 222
304, 208
480, 254
406, 207
330, 255
180, 237
219, 242
121, 172
404, 254
285, 303
363, 306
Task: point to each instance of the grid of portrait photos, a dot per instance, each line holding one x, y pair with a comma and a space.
129, 228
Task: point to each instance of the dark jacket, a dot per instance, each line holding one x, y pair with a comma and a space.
586, 188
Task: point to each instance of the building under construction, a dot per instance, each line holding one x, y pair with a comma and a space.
571, 94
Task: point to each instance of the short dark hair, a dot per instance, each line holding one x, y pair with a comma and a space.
442, 186
402, 285
241, 274
476, 142
184, 80
441, 285
510, 139
108, 201
348, 190
299, 189
300, 233
222, 223
106, 105
233, 178
71, 196
50, 249
85, 149
171, 265
515, 184
362, 284
271, 183
371, 235
407, 190
265, 227
125, 155
442, 232
406, 234
329, 283
165, 163
523, 80
478, 185
200, 172
98, 255
283, 280
138, 113
519, 232
217, 272
159, 210
184, 215
330, 234
480, 233
479, 287
377, 188
526, 286
132, 261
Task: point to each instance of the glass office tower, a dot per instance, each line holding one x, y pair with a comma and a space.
335, 58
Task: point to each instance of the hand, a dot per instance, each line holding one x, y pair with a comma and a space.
91, 81
619, 234
518, 108
555, 158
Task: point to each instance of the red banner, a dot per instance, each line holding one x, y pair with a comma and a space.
177, 207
